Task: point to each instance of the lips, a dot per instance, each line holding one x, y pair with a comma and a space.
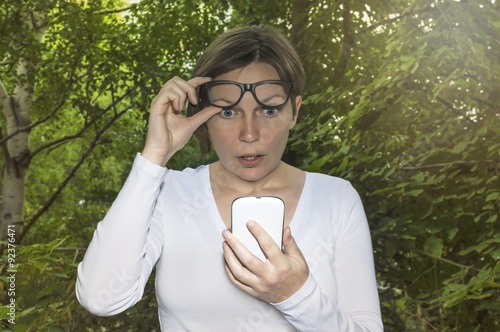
250, 160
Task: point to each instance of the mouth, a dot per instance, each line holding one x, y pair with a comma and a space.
249, 157
250, 160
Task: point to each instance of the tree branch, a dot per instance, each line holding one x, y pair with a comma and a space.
441, 259
8, 63
60, 140
34, 124
60, 249
389, 5
391, 20
416, 316
481, 101
299, 18
51, 113
347, 44
114, 11
450, 107
79, 134
51, 200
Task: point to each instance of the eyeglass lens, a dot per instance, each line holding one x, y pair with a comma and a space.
228, 94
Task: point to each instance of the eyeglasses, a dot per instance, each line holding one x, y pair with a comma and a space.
226, 94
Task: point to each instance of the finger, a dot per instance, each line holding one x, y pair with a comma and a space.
176, 89
183, 89
291, 247
236, 282
266, 242
196, 82
235, 269
203, 116
172, 93
242, 254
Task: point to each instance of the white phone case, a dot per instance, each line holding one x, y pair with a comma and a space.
267, 211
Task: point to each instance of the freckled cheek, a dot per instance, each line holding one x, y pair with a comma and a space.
223, 141
218, 133
274, 132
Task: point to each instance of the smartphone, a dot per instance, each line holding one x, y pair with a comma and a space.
267, 211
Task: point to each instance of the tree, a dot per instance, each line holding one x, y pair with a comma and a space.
77, 76
47, 78
402, 100
411, 118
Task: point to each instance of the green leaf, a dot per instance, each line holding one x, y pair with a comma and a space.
434, 246
478, 247
419, 177
316, 165
390, 249
493, 196
452, 232
381, 191
414, 192
460, 147
493, 218
496, 254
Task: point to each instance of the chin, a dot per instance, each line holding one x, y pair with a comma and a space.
251, 176
254, 174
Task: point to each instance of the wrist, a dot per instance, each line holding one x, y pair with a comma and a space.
304, 291
160, 159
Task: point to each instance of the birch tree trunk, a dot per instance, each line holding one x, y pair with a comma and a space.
16, 144
17, 108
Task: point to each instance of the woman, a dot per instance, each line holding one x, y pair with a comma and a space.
245, 97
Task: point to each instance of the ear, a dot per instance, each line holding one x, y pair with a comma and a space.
298, 102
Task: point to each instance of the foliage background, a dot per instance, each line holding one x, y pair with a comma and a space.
402, 100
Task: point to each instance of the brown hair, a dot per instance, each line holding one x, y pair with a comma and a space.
237, 48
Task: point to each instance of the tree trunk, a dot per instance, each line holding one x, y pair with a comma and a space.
16, 147
17, 110
299, 19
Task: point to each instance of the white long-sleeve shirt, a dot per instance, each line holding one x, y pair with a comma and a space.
170, 218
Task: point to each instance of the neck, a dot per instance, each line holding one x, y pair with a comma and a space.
226, 180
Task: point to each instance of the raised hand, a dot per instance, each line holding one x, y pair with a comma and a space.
274, 280
168, 129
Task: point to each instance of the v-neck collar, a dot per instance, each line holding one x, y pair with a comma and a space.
219, 222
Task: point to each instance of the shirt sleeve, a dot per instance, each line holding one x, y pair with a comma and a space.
125, 245
358, 307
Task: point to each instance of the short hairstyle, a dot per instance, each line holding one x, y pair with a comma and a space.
240, 47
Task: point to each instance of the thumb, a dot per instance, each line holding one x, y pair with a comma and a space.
203, 116
291, 247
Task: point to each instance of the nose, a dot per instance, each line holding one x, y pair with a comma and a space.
249, 131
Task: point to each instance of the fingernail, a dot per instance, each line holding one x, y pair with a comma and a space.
226, 234
225, 246
250, 223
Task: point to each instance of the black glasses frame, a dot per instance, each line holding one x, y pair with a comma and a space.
204, 101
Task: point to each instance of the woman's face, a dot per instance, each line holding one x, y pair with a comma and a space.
249, 139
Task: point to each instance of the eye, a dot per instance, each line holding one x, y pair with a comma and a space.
227, 113
271, 111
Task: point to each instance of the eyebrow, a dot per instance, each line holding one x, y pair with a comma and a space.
229, 102
271, 97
